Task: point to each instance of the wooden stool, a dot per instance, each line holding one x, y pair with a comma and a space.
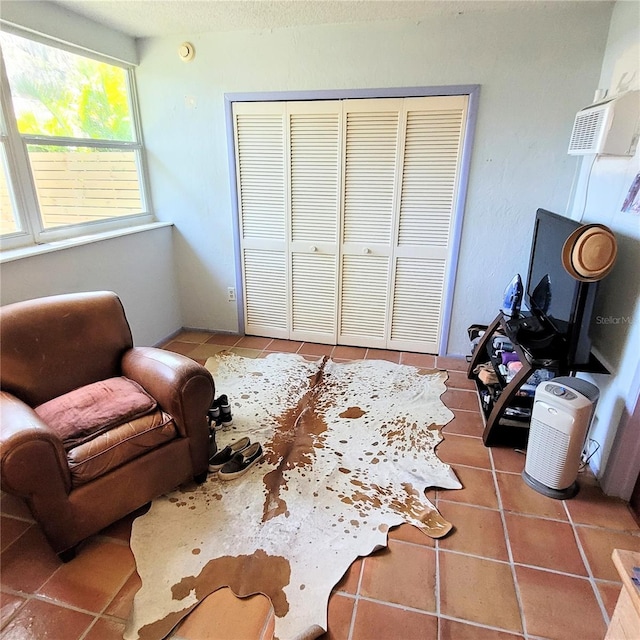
625, 623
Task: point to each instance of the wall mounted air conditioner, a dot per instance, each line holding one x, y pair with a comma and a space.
608, 127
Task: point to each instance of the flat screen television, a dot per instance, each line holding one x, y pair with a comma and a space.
563, 305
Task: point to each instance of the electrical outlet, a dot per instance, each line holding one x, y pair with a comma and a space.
231, 294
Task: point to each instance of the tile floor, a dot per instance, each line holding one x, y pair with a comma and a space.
517, 565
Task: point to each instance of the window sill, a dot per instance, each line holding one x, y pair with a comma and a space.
59, 245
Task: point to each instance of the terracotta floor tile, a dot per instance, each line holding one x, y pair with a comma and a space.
598, 545
459, 380
557, 606
28, 562
204, 351
592, 506
609, 592
517, 496
409, 533
284, 346
461, 399
14, 506
339, 614
197, 337
120, 606
403, 574
478, 488
507, 459
351, 578
465, 423
245, 353
478, 590
227, 339
452, 363
11, 529
308, 357
348, 353
184, 348
475, 585
383, 354
222, 616
93, 578
423, 360
314, 349
452, 630
476, 530
38, 619
9, 604
121, 529
530, 544
375, 621
463, 450
106, 629
254, 342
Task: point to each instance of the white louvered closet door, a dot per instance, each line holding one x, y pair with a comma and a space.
261, 170
346, 211
430, 170
371, 145
315, 170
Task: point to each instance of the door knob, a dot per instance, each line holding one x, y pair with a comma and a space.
313, 248
366, 250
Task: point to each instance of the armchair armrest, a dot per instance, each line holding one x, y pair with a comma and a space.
183, 388
32, 457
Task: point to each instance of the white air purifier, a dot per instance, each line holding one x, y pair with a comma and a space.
560, 419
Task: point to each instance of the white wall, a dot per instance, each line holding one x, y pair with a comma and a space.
601, 189
537, 63
138, 267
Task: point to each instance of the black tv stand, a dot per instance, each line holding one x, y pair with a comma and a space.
506, 408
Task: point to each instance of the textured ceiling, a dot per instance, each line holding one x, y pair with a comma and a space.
145, 18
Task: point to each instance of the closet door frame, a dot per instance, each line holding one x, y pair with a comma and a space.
471, 90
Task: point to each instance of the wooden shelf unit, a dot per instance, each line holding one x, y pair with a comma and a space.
500, 428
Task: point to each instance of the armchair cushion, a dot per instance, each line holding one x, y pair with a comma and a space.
84, 413
119, 445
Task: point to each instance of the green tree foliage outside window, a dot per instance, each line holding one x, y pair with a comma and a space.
57, 93
85, 160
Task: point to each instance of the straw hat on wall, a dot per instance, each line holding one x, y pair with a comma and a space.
589, 253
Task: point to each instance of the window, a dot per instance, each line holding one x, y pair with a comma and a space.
71, 156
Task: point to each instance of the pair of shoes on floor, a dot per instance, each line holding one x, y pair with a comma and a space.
219, 415
235, 459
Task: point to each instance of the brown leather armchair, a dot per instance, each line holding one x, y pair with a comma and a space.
92, 428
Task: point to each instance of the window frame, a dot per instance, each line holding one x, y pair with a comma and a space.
20, 181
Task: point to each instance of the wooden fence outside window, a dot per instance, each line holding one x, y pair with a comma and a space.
79, 186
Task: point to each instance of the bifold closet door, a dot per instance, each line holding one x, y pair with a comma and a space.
371, 151
260, 140
346, 210
314, 163
430, 161
402, 165
288, 172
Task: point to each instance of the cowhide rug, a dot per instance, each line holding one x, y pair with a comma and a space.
348, 453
